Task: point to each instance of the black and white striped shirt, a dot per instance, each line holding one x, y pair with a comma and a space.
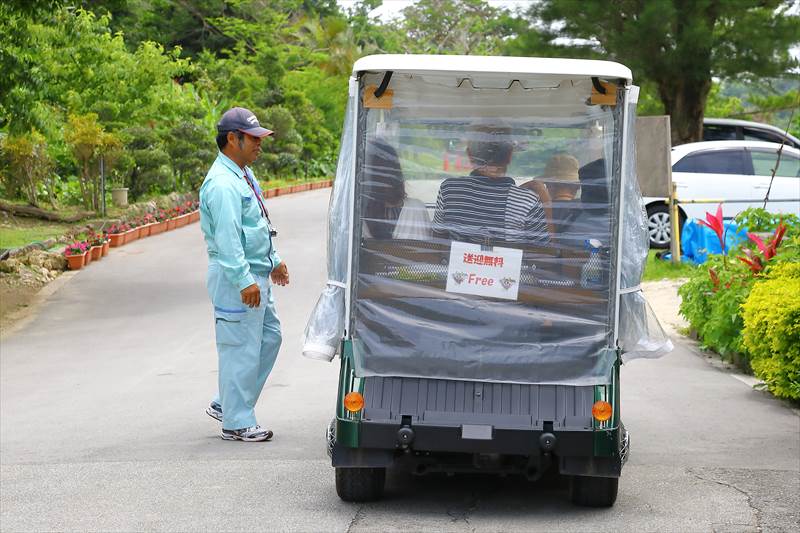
477, 208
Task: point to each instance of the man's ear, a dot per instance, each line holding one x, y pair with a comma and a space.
508, 157
232, 138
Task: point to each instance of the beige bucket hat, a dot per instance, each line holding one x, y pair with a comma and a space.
561, 167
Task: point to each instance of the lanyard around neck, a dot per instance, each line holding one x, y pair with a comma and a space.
264, 211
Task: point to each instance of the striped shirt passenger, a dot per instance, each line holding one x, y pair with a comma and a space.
475, 208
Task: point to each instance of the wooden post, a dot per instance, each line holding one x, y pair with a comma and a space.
674, 220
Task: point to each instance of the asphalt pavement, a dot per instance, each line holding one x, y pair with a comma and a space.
102, 423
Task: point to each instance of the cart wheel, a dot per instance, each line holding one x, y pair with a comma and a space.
360, 484
594, 491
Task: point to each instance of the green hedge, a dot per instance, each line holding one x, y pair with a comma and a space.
771, 336
751, 319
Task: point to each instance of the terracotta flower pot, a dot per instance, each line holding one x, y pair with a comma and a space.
74, 262
196, 216
96, 252
171, 224
285, 190
132, 235
144, 231
183, 220
157, 227
270, 193
105, 248
87, 257
117, 239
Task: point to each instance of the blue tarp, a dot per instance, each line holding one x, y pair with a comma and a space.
698, 241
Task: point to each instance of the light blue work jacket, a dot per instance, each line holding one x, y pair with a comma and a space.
236, 232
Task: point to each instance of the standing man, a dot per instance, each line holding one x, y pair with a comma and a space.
241, 262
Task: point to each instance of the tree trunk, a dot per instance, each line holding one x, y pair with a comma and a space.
35, 212
83, 181
684, 101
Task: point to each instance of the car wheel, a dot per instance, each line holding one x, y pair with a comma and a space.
659, 227
360, 484
593, 491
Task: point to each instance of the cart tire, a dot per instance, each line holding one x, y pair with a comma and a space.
360, 484
589, 491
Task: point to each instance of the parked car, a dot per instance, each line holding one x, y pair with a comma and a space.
727, 129
737, 173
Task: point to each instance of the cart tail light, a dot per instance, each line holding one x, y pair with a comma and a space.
601, 411
354, 402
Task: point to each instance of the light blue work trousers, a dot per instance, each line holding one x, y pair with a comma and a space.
248, 340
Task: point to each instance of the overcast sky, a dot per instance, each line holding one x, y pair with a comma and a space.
392, 8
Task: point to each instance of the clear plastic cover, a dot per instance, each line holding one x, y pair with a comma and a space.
325, 327
640, 334
483, 215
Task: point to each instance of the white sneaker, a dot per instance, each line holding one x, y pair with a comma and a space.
214, 410
251, 434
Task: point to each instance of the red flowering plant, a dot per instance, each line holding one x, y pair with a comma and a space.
160, 215
76, 248
122, 227
716, 224
754, 261
135, 223
97, 239
148, 218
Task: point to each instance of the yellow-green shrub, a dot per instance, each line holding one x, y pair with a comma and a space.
771, 333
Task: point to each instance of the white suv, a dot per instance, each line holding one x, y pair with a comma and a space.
737, 173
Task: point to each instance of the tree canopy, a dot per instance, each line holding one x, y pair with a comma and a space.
681, 46
154, 76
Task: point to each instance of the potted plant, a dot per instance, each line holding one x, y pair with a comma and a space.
133, 232
195, 211
75, 253
117, 232
146, 226
178, 215
96, 242
158, 223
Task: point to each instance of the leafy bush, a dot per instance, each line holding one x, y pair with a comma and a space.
711, 300
756, 219
771, 316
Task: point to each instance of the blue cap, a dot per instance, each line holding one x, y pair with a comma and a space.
244, 120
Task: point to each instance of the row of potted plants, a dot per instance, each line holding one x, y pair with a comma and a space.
81, 253
302, 187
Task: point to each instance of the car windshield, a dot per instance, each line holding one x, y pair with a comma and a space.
484, 228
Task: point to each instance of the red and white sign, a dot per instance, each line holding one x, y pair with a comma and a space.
493, 273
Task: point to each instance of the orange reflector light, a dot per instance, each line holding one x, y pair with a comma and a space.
354, 402
601, 411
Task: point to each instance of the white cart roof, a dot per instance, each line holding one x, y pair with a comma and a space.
492, 64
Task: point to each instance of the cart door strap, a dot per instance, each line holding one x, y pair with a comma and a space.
628, 290
337, 283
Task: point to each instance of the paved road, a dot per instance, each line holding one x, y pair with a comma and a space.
102, 424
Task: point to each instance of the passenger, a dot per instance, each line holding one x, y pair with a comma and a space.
488, 204
561, 182
388, 213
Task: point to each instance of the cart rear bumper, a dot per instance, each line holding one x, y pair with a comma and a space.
382, 444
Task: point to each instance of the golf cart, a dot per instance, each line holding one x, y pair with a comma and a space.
486, 242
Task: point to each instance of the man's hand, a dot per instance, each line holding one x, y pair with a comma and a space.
280, 276
251, 296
